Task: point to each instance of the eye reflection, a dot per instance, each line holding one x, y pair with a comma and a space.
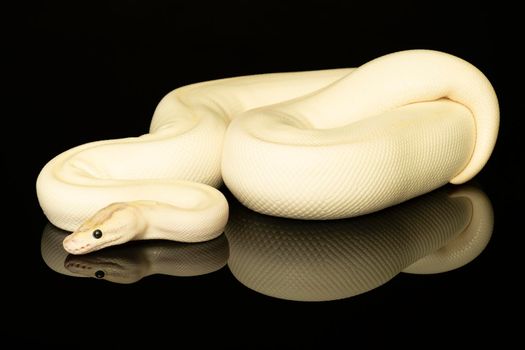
99, 274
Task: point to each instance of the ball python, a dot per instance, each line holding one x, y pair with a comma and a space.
316, 145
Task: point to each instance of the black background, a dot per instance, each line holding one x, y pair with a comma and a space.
85, 71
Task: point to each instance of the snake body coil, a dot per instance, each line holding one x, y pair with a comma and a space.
309, 145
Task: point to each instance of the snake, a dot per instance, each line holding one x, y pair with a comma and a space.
312, 145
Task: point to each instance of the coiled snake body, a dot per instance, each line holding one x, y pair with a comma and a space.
309, 145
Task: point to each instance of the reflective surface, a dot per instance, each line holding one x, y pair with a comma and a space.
306, 260
313, 261
130, 263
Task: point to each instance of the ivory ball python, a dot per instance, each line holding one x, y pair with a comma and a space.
309, 145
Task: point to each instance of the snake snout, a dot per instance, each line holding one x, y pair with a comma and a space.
74, 245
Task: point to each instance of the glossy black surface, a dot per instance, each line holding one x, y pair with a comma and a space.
86, 72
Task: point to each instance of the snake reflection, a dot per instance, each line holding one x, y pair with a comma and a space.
130, 263
307, 260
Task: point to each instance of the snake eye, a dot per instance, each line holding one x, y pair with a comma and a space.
99, 274
97, 234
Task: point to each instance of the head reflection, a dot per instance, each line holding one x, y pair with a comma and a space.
130, 263
329, 260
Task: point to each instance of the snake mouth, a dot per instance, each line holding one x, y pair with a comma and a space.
87, 264
78, 266
88, 247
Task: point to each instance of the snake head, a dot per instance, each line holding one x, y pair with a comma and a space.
115, 224
114, 265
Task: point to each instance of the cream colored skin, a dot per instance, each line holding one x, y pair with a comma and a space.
122, 222
118, 223
309, 145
